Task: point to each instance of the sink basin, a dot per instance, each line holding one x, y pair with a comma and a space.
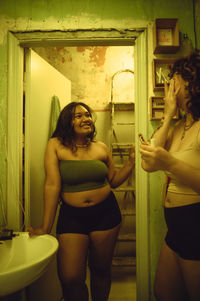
23, 260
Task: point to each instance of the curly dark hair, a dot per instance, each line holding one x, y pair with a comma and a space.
189, 68
64, 129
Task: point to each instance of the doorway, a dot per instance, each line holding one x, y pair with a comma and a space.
96, 78
140, 111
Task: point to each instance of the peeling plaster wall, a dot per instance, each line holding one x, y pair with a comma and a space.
90, 69
25, 15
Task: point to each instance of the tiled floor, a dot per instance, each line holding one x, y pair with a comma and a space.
123, 285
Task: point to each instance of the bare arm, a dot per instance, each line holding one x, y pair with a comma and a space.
117, 177
51, 189
162, 134
157, 158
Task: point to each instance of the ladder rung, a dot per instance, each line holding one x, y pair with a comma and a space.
121, 150
119, 165
120, 153
124, 261
128, 212
127, 237
122, 103
124, 189
124, 123
124, 145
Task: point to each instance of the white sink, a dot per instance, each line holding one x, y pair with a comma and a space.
23, 260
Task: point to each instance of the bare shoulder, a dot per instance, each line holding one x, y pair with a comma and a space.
53, 142
52, 148
101, 145
101, 151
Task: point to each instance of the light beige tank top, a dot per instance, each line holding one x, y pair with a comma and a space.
190, 155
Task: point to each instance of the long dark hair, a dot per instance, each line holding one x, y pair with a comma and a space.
189, 68
64, 129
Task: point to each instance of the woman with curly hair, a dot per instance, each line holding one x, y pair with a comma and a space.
177, 153
80, 172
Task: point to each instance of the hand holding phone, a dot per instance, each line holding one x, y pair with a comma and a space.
142, 140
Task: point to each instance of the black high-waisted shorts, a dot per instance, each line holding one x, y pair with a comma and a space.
102, 216
183, 235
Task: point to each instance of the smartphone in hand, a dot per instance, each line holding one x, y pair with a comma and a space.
142, 140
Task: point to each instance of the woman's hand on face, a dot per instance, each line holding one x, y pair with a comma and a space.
35, 231
170, 98
155, 158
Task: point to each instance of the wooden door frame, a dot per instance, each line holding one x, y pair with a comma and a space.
138, 38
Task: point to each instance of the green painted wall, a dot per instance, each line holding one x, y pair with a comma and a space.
29, 15
197, 22
39, 10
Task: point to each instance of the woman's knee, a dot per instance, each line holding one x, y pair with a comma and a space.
74, 287
72, 279
100, 271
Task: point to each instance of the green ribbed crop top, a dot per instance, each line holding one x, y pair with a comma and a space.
82, 175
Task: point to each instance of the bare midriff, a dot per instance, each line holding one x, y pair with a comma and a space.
173, 199
86, 198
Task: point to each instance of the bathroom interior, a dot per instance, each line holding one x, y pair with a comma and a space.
98, 75
105, 75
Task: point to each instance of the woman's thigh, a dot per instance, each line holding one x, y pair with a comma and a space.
102, 244
169, 283
191, 274
72, 256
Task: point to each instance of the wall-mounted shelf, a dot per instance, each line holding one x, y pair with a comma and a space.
161, 69
165, 36
156, 107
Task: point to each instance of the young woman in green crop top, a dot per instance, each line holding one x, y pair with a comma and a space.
177, 153
80, 172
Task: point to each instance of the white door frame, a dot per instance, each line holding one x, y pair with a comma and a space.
15, 123
142, 200
16, 42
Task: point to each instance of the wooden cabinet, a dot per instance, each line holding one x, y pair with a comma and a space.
165, 36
